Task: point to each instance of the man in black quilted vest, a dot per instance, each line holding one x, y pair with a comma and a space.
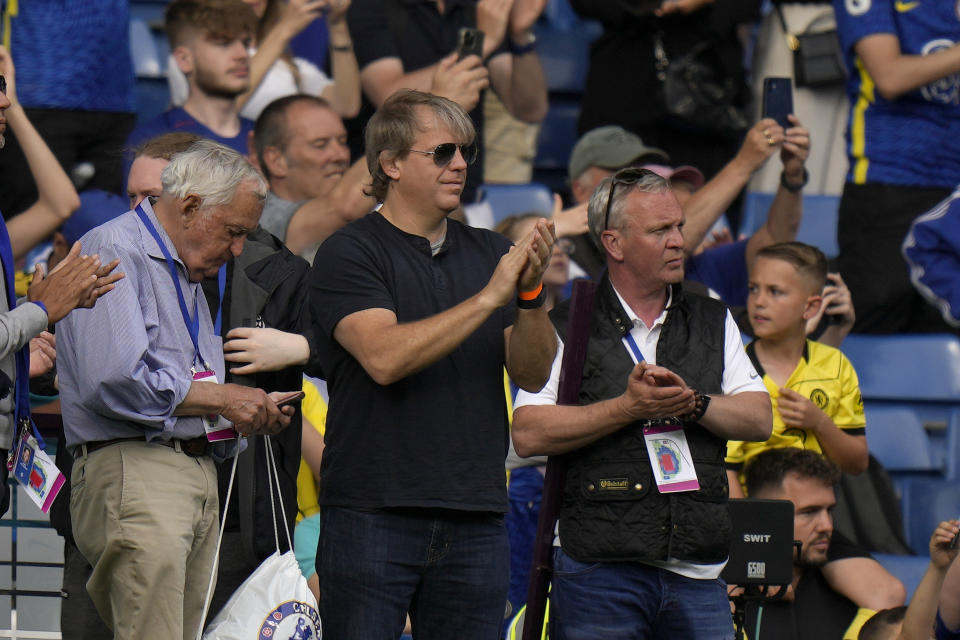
644, 528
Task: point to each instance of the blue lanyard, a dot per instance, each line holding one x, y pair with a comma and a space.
193, 324
221, 287
632, 345
21, 384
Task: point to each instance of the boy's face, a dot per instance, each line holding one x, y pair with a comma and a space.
779, 299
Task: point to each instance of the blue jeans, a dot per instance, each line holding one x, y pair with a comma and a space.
632, 601
448, 569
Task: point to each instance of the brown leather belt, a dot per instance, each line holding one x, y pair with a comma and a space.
194, 447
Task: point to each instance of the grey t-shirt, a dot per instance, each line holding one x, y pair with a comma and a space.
277, 214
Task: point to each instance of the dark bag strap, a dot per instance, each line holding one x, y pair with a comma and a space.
571, 374
790, 37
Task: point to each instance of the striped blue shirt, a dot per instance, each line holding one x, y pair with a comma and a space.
125, 365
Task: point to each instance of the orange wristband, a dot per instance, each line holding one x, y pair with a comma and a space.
530, 295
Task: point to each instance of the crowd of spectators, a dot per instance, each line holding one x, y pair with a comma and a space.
295, 223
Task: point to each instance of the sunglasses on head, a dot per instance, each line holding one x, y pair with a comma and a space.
630, 175
443, 153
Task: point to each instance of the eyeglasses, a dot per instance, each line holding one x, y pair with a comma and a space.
3, 85
630, 175
443, 153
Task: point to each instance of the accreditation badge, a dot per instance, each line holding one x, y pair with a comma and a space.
217, 427
670, 457
35, 471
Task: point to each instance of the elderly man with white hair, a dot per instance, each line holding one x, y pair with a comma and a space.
138, 404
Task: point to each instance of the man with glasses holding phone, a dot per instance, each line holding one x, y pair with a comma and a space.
644, 528
416, 320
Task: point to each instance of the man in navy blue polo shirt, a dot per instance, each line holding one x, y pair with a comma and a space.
416, 321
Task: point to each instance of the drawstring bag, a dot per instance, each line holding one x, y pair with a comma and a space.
274, 603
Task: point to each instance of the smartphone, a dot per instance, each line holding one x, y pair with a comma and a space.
290, 398
778, 100
953, 543
469, 43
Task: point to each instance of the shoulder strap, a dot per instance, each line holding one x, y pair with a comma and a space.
571, 374
791, 39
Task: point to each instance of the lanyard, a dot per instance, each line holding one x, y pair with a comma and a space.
193, 324
21, 384
221, 287
634, 349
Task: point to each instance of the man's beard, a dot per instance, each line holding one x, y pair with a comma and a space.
209, 86
3, 140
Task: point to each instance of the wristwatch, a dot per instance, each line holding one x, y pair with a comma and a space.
794, 188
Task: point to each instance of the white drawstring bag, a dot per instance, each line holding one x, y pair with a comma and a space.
274, 603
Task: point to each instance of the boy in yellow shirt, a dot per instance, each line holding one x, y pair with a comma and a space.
813, 387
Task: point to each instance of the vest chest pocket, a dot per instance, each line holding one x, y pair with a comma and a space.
616, 480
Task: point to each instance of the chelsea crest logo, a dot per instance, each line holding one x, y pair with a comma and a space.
292, 620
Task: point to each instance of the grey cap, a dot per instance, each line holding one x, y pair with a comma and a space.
610, 147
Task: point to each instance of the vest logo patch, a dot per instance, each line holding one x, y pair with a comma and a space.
819, 398
614, 484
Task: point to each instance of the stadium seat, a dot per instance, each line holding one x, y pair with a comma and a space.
508, 199
929, 502
898, 440
818, 227
905, 368
565, 57
143, 50
558, 134
908, 569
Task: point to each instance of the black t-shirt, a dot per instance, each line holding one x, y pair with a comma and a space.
419, 35
437, 438
817, 611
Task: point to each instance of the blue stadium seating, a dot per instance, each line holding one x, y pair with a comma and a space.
898, 440
908, 569
929, 502
508, 199
818, 227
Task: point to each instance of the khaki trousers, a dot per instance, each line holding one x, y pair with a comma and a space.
145, 516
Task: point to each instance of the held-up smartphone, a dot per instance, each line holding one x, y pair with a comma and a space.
290, 398
778, 100
469, 43
956, 539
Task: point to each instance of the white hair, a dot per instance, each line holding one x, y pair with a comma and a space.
211, 171
650, 182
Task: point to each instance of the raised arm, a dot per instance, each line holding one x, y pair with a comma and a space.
57, 198
895, 73
318, 218
344, 93
922, 612
786, 211
531, 342
295, 17
518, 78
706, 205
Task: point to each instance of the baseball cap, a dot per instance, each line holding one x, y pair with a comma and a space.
684, 173
96, 207
609, 147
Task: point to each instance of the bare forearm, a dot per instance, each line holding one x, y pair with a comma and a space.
399, 350
847, 451
345, 93
782, 223
268, 52
706, 205
57, 198
378, 90
528, 89
319, 218
922, 612
203, 398
554, 429
531, 349
901, 74
744, 416
950, 597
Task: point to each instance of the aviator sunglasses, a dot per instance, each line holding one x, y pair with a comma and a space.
443, 153
630, 175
